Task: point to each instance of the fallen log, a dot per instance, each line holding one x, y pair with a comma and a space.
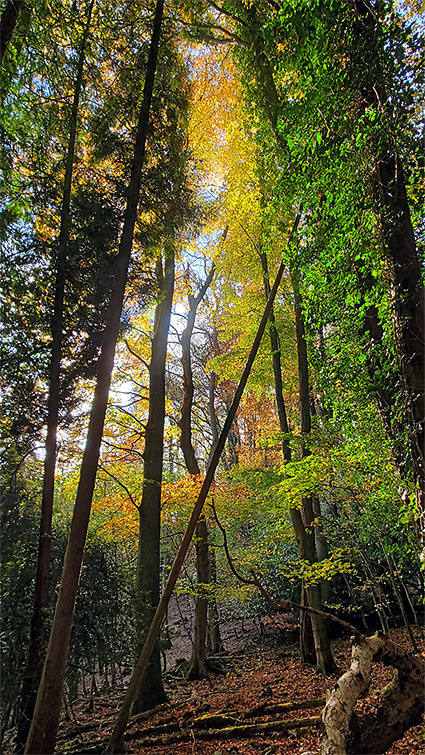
218, 720
231, 732
342, 730
266, 710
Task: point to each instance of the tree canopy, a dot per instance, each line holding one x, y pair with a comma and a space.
164, 164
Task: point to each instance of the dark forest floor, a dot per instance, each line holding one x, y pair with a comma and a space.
268, 673
262, 674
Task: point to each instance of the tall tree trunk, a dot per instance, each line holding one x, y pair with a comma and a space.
148, 557
33, 669
42, 735
398, 239
303, 521
214, 638
198, 661
115, 744
277, 366
315, 647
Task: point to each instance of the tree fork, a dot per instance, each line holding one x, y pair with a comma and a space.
42, 735
198, 661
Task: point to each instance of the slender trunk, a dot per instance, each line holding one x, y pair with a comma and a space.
148, 559
42, 735
303, 520
277, 366
115, 741
214, 639
33, 669
198, 661
322, 549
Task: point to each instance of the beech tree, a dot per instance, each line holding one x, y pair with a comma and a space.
263, 111
148, 558
198, 661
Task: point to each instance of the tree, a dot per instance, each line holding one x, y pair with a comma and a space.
42, 734
33, 672
148, 558
198, 661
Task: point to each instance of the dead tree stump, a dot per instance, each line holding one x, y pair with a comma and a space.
402, 702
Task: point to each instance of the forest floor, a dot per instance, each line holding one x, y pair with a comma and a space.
256, 680
262, 684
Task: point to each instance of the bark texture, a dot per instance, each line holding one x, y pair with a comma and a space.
401, 704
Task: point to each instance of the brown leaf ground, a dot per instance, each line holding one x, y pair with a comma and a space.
267, 673
262, 673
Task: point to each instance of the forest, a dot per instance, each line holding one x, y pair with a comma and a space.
213, 404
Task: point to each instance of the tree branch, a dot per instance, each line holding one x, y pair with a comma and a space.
266, 595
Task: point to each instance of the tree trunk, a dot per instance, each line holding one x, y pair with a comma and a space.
303, 520
115, 743
400, 708
394, 218
277, 366
198, 666
148, 558
9, 18
34, 665
198, 661
42, 735
214, 638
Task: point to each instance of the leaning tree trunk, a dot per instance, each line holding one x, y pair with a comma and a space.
198, 661
115, 744
148, 558
34, 665
42, 735
401, 707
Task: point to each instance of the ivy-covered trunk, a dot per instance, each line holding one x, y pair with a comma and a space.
398, 238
